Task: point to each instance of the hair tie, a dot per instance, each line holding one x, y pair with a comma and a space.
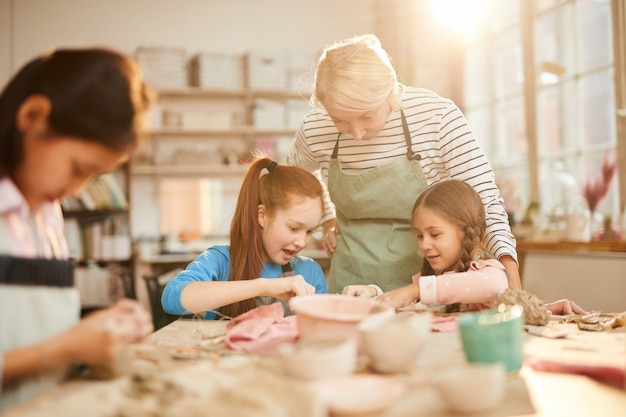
268, 169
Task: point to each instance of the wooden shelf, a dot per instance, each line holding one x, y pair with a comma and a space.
571, 246
92, 216
201, 92
236, 94
195, 170
235, 131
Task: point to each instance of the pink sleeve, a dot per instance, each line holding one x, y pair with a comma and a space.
482, 284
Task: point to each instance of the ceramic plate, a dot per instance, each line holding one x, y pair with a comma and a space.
359, 394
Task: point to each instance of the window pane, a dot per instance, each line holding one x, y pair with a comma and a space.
597, 108
506, 14
514, 189
476, 75
480, 122
547, 4
189, 204
555, 106
509, 65
511, 131
593, 34
559, 190
554, 45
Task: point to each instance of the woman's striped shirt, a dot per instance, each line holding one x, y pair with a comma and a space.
439, 134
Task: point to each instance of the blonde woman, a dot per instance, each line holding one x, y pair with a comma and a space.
376, 145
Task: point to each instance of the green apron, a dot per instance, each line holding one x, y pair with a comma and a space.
264, 300
376, 243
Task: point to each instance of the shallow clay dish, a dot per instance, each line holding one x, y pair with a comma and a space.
359, 395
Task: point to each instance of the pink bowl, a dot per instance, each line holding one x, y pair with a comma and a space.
334, 314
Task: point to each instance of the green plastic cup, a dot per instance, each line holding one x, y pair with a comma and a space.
494, 336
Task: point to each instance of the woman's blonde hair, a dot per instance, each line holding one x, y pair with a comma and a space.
355, 75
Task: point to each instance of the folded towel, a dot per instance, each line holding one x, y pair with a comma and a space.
262, 330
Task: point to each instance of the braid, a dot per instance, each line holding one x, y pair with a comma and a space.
472, 241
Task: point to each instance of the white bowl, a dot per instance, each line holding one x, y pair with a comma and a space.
359, 395
334, 315
472, 388
319, 357
393, 343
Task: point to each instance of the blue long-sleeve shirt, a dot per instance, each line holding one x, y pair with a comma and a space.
214, 265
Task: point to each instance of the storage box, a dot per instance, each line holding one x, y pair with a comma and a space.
163, 67
268, 114
267, 69
217, 70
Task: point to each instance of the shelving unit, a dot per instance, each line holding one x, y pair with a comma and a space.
100, 242
217, 123
207, 134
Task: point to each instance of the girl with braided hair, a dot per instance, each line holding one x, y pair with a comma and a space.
458, 271
449, 222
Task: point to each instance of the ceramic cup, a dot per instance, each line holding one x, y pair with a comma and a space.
393, 343
494, 336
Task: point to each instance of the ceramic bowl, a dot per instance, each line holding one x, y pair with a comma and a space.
359, 395
334, 315
319, 357
472, 388
393, 343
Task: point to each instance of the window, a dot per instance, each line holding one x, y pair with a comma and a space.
568, 93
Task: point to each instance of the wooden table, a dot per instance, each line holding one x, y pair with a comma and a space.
224, 383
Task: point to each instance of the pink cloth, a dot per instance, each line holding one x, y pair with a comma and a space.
611, 375
262, 330
444, 324
480, 286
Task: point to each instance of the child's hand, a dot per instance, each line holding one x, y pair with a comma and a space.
401, 297
99, 337
286, 287
361, 291
564, 307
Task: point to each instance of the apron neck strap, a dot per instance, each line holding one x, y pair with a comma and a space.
336, 149
407, 138
287, 270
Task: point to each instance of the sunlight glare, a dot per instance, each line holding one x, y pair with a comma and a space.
460, 15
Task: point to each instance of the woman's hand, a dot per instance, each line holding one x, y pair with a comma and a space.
360, 291
284, 288
331, 230
402, 296
564, 307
